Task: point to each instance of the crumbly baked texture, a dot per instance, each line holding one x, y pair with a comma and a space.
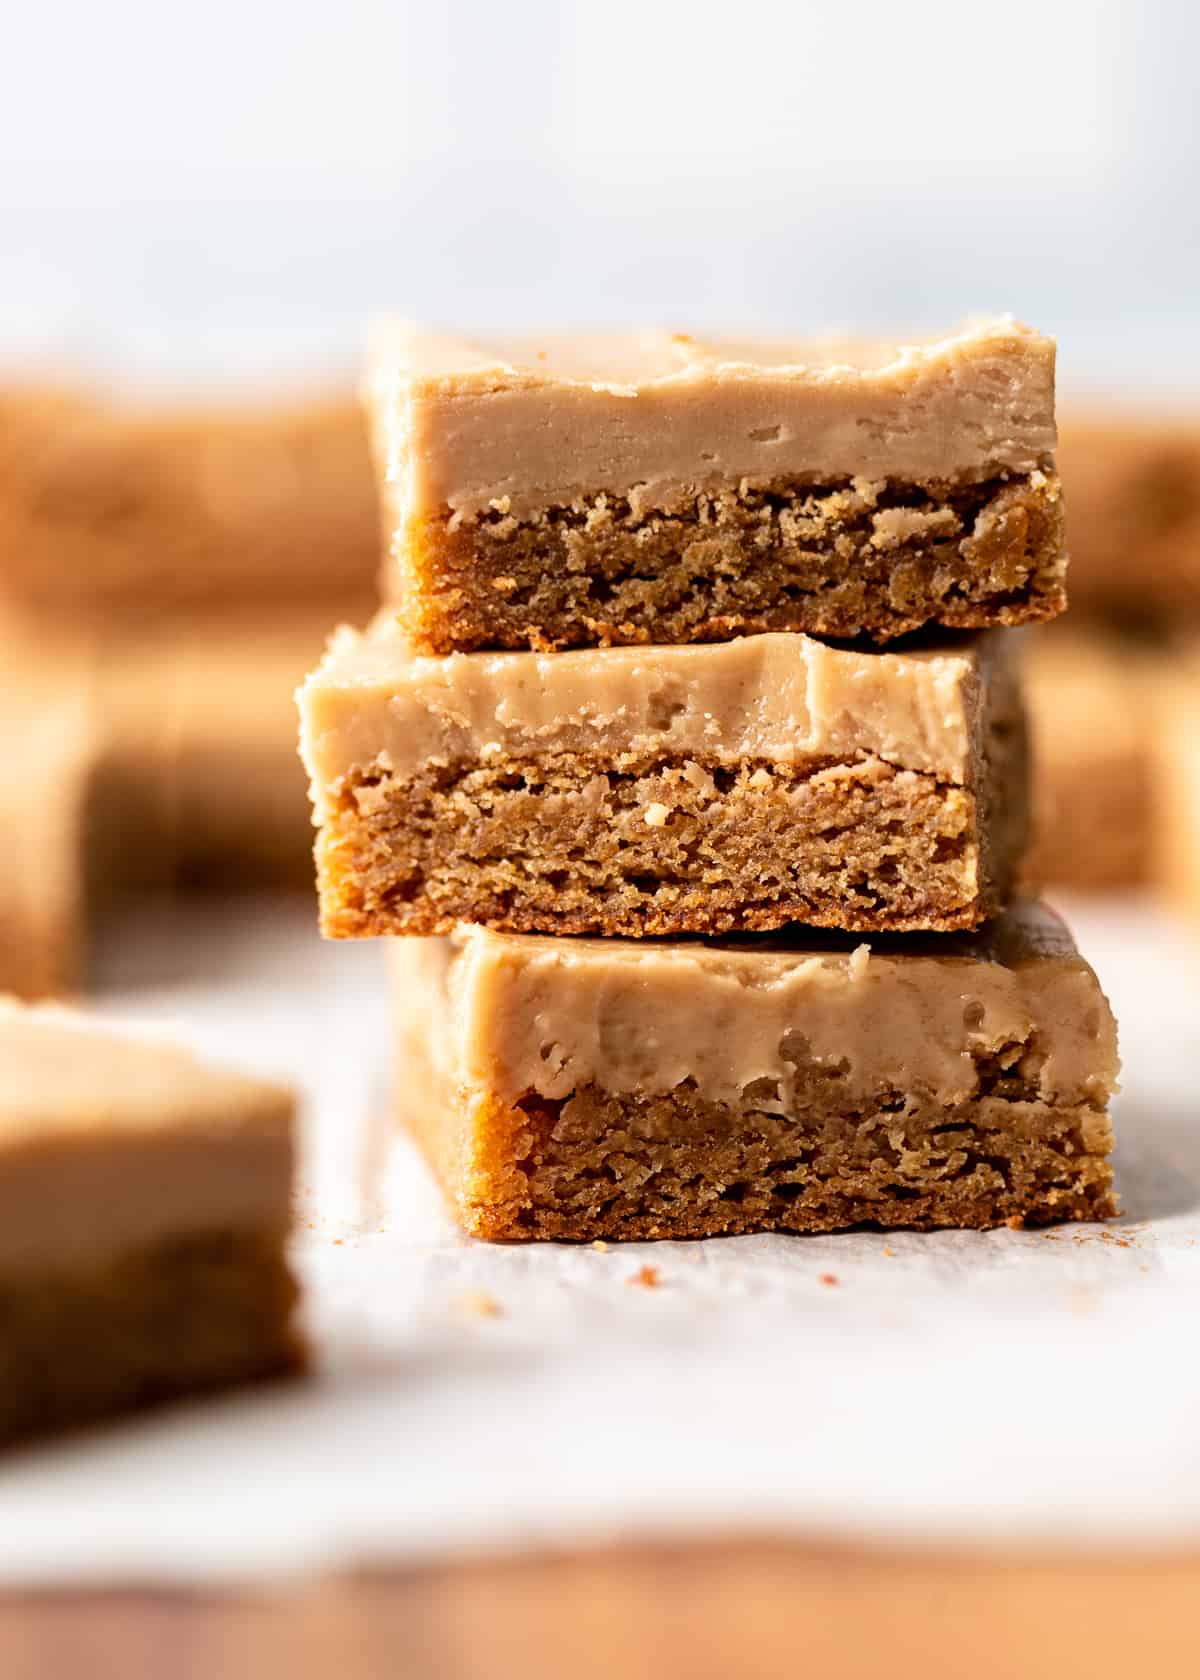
687, 790
110, 506
581, 490
578, 845
573, 1091
595, 1166
144, 1216
1133, 514
841, 559
178, 1317
1090, 696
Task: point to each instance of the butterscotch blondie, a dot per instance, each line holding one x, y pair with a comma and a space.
144, 1209
583, 1089
198, 782
115, 505
1091, 699
1133, 520
663, 790
562, 491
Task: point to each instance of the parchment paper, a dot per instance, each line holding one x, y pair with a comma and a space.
1006, 1386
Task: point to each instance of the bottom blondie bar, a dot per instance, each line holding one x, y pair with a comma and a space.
575, 1089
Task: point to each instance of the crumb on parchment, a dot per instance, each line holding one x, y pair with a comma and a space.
600, 1247
646, 1277
828, 1278
479, 1304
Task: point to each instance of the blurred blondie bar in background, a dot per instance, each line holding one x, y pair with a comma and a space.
169, 572
167, 575
1110, 690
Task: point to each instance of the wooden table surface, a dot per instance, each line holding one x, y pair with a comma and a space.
732, 1611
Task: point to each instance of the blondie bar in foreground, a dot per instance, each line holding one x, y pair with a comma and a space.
144, 1207
631, 487
663, 790
577, 1089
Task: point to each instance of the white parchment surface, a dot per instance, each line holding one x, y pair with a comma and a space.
1005, 1386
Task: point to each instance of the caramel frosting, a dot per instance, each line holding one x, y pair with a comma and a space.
109, 1141
509, 425
781, 698
511, 1014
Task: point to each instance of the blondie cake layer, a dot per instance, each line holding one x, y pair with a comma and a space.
564, 490
584, 1089
144, 1208
663, 790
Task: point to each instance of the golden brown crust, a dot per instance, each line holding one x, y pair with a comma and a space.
571, 844
841, 560
595, 1166
188, 1315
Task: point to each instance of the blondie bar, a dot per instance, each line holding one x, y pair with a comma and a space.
144, 1208
198, 783
1090, 696
583, 1089
1133, 513
134, 507
563, 491
663, 790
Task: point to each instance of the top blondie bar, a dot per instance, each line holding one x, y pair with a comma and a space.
626, 487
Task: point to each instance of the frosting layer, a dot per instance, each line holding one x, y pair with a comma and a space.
511, 425
107, 1142
784, 698
512, 1014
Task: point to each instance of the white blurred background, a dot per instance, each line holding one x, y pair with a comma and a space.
238, 186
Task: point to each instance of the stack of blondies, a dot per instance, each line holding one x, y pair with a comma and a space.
687, 762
